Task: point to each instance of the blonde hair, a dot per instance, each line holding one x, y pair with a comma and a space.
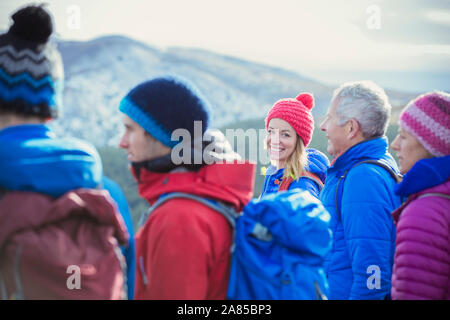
296, 162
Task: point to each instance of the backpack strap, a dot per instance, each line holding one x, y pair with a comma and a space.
396, 176
286, 183
314, 177
432, 194
227, 211
340, 185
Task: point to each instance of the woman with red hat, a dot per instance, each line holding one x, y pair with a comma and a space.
284, 237
290, 127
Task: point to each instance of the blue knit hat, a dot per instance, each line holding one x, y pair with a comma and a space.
31, 69
165, 104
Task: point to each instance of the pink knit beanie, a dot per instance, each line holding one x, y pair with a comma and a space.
296, 112
427, 118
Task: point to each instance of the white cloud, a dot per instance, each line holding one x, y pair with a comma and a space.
438, 16
300, 35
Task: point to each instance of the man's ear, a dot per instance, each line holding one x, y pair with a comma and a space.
353, 128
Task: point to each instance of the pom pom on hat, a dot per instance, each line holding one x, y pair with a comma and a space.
307, 99
296, 112
32, 23
32, 71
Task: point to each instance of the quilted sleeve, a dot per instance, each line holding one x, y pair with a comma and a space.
369, 230
422, 258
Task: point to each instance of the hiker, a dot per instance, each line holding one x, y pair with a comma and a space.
360, 196
183, 246
290, 127
282, 237
44, 174
422, 258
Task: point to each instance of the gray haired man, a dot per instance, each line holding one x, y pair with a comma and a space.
359, 193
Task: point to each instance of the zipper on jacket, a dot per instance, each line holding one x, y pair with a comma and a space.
123, 266
319, 294
336, 204
142, 269
3, 288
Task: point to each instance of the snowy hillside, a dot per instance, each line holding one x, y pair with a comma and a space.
98, 73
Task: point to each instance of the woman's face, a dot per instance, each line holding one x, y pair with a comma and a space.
409, 150
281, 141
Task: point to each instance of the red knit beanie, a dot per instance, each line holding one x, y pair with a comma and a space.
296, 112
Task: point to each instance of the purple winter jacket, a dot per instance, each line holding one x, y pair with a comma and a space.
422, 257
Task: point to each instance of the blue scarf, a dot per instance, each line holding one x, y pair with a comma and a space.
424, 174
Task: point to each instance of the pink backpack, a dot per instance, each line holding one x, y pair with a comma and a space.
66, 248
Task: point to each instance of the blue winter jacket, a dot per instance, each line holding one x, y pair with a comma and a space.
33, 159
359, 265
318, 164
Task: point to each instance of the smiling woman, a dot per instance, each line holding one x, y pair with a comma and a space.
281, 142
289, 126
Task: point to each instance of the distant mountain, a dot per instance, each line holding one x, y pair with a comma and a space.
98, 73
410, 81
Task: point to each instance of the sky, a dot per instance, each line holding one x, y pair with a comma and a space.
311, 37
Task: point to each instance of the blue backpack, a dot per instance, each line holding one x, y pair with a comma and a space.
279, 246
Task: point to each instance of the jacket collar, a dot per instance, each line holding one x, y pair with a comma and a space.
369, 149
25, 131
228, 182
424, 174
33, 159
317, 164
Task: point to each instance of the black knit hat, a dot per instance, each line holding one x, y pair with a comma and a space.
165, 104
31, 70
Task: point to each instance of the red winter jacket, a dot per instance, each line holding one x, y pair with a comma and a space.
183, 250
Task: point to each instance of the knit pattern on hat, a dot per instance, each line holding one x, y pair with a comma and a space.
31, 70
296, 112
163, 105
427, 118
146, 121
